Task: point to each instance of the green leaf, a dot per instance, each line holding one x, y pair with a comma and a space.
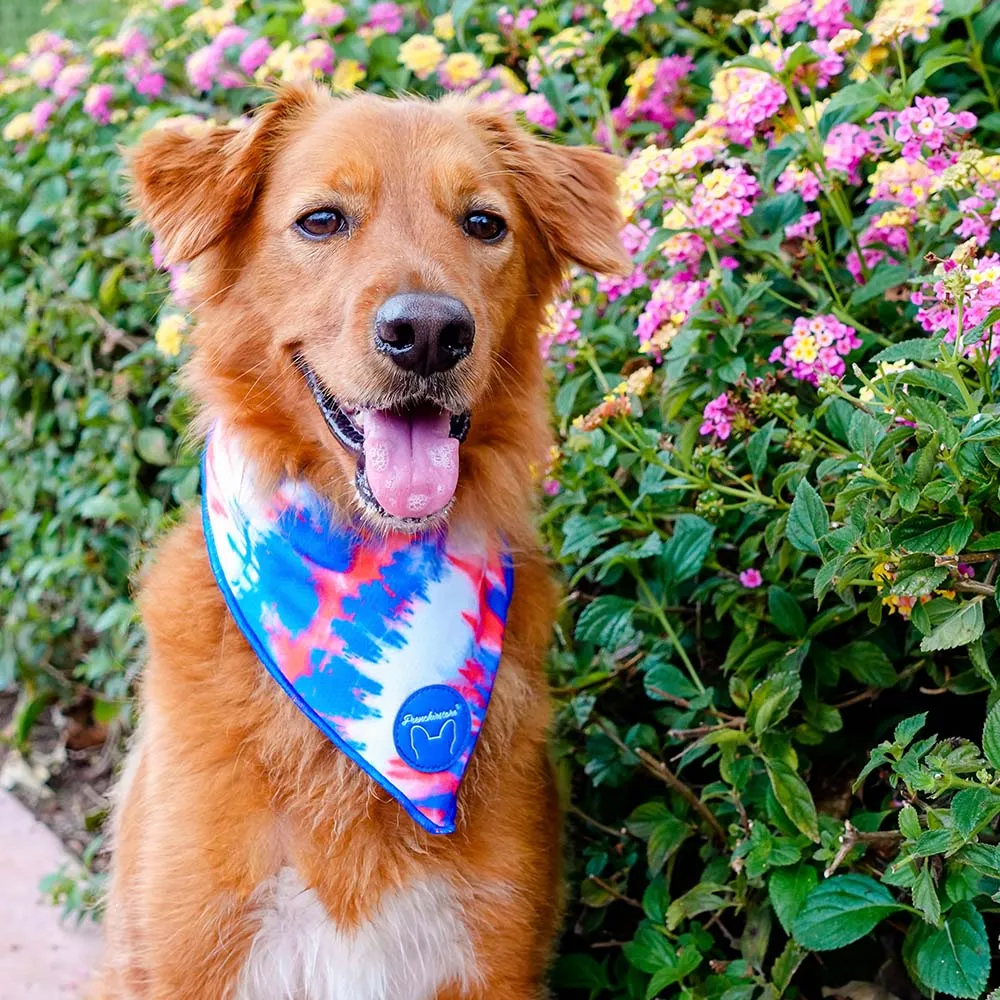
864, 433
932, 535
991, 736
925, 897
757, 446
794, 796
772, 700
931, 66
955, 958
964, 626
786, 612
867, 663
841, 910
885, 277
152, 445
972, 808
580, 972
920, 349
685, 552
788, 889
606, 621
909, 822
908, 728
808, 520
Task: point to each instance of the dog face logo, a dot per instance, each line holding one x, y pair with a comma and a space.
432, 728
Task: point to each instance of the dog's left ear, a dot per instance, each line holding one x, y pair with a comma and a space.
571, 193
191, 188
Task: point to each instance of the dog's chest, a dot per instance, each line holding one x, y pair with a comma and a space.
415, 943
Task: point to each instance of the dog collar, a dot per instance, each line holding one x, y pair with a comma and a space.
389, 645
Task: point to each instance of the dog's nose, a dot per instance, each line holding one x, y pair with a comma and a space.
423, 332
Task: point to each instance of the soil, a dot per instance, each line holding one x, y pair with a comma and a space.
66, 776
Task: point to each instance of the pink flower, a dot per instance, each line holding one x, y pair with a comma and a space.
802, 181
551, 487
844, 149
134, 44
385, 16
815, 347
96, 102
751, 578
171, 4
539, 112
69, 80
328, 17
255, 55
229, 36
724, 196
940, 308
524, 18
728, 263
746, 101
929, 125
40, 115
625, 14
668, 309
717, 417
151, 85
805, 228
560, 328
156, 252
203, 67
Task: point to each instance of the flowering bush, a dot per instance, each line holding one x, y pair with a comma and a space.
775, 491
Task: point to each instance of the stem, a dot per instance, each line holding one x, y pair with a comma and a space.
654, 608
976, 59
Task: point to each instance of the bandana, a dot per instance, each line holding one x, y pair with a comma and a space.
389, 645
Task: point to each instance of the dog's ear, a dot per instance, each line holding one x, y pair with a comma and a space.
192, 186
571, 193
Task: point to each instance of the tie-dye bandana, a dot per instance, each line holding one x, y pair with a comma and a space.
389, 645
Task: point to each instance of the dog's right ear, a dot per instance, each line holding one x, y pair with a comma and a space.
192, 187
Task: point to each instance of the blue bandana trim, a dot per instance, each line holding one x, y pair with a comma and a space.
390, 646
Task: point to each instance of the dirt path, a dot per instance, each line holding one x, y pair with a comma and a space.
40, 958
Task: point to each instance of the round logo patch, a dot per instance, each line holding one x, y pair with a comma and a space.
432, 728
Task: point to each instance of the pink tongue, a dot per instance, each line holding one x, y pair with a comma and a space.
411, 461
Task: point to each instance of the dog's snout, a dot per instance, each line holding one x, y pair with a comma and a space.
423, 332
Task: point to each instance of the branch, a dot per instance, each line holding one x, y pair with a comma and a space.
882, 841
660, 770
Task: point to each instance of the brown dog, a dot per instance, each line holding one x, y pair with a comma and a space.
390, 252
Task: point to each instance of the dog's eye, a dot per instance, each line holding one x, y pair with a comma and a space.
484, 226
322, 223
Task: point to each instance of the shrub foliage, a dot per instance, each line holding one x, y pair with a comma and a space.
775, 492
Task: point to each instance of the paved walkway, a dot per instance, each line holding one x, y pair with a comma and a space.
40, 958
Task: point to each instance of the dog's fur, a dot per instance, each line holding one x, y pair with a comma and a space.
253, 861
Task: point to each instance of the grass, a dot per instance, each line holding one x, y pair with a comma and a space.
20, 19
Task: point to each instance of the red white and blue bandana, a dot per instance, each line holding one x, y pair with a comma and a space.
390, 645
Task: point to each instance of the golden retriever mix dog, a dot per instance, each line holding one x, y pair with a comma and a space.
372, 277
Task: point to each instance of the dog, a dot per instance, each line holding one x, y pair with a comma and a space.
371, 275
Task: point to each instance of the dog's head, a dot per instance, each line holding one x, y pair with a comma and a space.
371, 278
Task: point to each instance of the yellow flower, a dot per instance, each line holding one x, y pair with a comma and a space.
490, 43
19, 127
845, 39
461, 68
868, 62
805, 350
444, 27
212, 20
510, 81
13, 84
421, 55
347, 75
895, 20
640, 83
169, 334
118, 116
109, 47
44, 68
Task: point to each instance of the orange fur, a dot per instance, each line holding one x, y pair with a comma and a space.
227, 781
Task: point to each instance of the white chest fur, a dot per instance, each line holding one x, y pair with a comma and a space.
415, 943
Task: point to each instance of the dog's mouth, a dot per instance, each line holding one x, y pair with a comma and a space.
407, 456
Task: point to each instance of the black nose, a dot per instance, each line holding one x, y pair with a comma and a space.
423, 332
